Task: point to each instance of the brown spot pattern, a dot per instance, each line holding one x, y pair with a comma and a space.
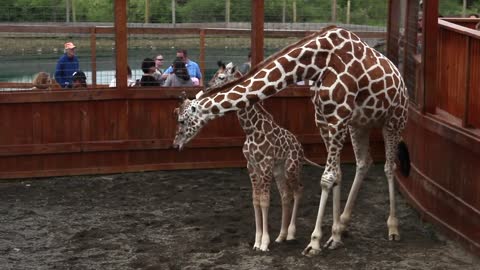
329, 108
226, 104
338, 94
376, 73
377, 86
257, 85
270, 90
233, 96
337, 64
343, 111
362, 96
274, 75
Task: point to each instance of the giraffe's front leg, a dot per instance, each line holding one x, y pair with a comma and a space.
313, 247
330, 178
261, 202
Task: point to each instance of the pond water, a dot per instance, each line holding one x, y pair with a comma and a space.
22, 68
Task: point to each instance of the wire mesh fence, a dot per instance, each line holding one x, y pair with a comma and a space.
48, 24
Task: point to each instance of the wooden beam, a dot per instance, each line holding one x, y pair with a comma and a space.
429, 59
121, 52
257, 35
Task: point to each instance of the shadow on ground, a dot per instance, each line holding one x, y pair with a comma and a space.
200, 219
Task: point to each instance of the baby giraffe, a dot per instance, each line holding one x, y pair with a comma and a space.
272, 152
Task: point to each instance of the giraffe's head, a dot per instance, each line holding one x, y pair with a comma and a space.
189, 122
225, 73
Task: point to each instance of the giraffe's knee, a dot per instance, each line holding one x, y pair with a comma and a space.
389, 168
329, 179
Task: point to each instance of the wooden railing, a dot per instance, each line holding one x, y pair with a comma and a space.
458, 92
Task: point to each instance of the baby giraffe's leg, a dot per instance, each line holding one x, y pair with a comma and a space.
286, 200
256, 206
265, 175
295, 186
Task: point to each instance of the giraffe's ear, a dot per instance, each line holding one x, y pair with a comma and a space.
234, 68
175, 112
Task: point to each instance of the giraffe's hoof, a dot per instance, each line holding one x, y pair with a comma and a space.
280, 239
332, 244
310, 252
394, 237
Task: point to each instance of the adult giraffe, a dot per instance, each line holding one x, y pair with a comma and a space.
355, 88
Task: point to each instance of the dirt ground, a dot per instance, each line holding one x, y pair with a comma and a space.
200, 219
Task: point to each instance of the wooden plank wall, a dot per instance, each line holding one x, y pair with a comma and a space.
104, 131
458, 69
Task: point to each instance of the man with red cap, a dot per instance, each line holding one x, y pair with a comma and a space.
66, 66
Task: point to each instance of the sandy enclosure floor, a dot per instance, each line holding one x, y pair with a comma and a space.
201, 219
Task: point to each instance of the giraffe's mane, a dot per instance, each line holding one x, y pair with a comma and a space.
265, 62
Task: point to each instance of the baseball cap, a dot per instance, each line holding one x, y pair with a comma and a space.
69, 45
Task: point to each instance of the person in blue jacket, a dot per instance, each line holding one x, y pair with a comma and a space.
66, 66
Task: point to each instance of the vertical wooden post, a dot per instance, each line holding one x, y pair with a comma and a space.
202, 54
93, 57
121, 52
294, 11
334, 11
173, 12
227, 11
466, 97
67, 10
429, 55
147, 11
258, 8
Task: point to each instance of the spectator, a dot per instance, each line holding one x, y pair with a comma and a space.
179, 76
79, 80
66, 66
245, 67
192, 67
148, 77
159, 68
43, 81
130, 81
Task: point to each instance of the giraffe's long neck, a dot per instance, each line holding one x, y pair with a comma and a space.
254, 118
335, 51
273, 78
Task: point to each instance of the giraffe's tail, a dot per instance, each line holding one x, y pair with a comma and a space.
403, 158
308, 161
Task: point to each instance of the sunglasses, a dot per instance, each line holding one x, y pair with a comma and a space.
159, 59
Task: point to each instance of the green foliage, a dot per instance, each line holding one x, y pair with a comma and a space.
370, 12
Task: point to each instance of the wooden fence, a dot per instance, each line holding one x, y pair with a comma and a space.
443, 132
459, 73
106, 131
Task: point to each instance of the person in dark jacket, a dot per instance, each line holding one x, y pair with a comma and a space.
148, 77
66, 66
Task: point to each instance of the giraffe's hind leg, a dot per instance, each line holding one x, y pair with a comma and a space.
391, 137
360, 144
291, 188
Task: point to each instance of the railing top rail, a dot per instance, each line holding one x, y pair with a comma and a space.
109, 29
443, 24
